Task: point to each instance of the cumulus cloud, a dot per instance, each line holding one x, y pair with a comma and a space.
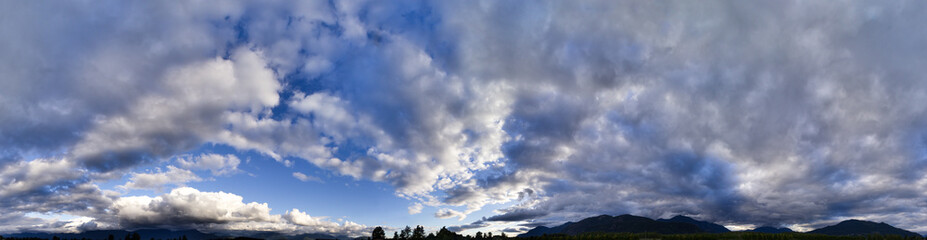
191, 208
49, 185
215, 163
158, 180
20, 222
184, 206
415, 208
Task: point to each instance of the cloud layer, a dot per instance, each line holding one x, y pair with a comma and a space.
792, 113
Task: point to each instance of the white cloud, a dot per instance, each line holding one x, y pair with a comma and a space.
188, 207
215, 163
188, 112
449, 213
306, 178
157, 180
26, 176
415, 208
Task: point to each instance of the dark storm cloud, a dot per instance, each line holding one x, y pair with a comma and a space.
517, 215
473, 225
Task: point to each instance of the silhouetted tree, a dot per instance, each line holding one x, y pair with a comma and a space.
430, 236
418, 233
479, 235
405, 233
503, 235
489, 235
378, 234
445, 234
395, 235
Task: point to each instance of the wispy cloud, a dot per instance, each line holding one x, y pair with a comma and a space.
306, 178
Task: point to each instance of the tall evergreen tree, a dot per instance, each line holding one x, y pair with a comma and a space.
405, 233
377, 234
418, 233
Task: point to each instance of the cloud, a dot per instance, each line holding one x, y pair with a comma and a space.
415, 208
449, 213
28, 188
157, 180
186, 206
306, 178
516, 215
191, 208
473, 225
217, 164
197, 97
19, 222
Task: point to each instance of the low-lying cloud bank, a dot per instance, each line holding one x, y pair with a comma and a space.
785, 113
185, 208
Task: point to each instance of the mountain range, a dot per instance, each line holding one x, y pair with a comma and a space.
708, 227
622, 223
683, 224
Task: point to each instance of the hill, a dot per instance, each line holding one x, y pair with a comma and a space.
858, 227
708, 227
542, 230
609, 224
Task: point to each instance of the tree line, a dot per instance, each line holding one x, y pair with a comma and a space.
418, 233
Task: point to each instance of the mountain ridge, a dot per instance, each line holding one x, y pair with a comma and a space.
620, 223
708, 227
860, 227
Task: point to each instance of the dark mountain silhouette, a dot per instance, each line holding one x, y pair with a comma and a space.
541, 230
623, 223
121, 234
858, 227
280, 236
708, 227
768, 229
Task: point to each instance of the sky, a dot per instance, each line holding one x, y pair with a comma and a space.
339, 116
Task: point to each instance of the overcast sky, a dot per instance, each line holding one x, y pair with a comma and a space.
338, 116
